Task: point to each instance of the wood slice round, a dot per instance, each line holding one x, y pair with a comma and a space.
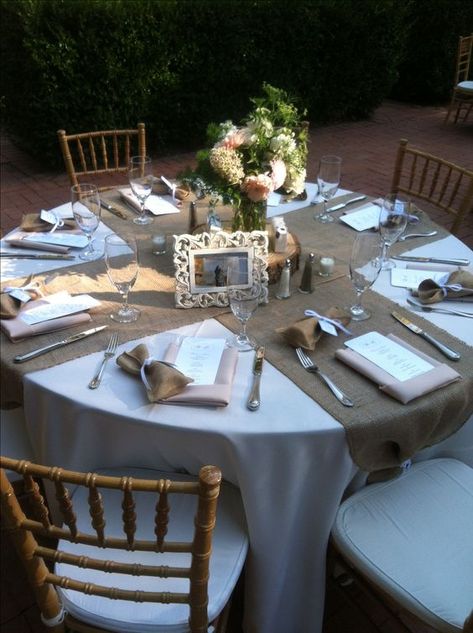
276, 261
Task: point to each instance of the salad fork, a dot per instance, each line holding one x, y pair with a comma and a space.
312, 368
107, 355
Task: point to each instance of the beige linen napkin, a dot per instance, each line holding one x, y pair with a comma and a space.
440, 376
17, 330
32, 222
306, 332
430, 291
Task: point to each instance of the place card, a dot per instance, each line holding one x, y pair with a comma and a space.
157, 205
58, 305
411, 278
63, 211
73, 240
396, 360
199, 358
362, 219
274, 199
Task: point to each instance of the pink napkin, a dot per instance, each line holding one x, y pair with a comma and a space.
440, 376
216, 395
17, 330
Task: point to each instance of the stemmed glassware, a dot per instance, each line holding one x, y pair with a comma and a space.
86, 210
243, 296
328, 180
121, 259
365, 265
140, 177
393, 219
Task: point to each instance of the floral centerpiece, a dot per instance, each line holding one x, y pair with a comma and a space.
244, 164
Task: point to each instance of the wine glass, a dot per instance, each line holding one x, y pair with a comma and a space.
86, 210
243, 296
393, 219
328, 180
140, 177
121, 259
365, 265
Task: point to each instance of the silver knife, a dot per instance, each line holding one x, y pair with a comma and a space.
116, 212
35, 256
342, 205
449, 353
66, 341
253, 401
432, 260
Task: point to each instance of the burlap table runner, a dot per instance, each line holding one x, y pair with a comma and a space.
381, 432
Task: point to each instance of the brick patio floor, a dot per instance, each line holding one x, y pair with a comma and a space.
368, 150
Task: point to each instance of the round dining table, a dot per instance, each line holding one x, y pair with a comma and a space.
289, 459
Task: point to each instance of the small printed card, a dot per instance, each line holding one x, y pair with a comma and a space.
410, 278
63, 211
20, 294
59, 239
395, 359
199, 358
362, 219
274, 199
58, 305
157, 205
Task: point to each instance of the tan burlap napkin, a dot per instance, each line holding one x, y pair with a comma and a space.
306, 332
32, 222
159, 188
440, 376
10, 306
459, 284
161, 380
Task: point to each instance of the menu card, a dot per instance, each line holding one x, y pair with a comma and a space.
200, 358
58, 305
393, 358
362, 219
411, 278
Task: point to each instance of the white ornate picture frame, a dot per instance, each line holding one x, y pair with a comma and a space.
201, 261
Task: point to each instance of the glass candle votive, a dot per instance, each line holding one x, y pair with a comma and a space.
158, 244
326, 265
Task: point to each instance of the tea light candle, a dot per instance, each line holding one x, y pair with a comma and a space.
326, 266
159, 244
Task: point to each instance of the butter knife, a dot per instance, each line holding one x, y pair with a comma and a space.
342, 205
432, 260
116, 212
449, 353
47, 348
35, 256
253, 401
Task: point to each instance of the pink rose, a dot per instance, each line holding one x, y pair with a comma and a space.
257, 188
232, 140
278, 173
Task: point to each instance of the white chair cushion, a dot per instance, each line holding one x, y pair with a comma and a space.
465, 85
413, 537
229, 548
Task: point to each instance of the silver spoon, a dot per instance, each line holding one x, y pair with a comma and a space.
405, 237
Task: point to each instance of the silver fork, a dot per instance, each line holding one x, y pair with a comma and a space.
311, 367
420, 307
107, 355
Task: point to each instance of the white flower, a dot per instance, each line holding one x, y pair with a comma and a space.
295, 180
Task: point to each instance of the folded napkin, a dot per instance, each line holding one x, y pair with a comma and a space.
161, 189
10, 306
440, 376
168, 385
306, 332
17, 330
458, 284
32, 222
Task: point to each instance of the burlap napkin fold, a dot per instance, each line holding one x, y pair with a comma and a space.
10, 306
306, 332
160, 379
459, 284
439, 376
162, 189
32, 222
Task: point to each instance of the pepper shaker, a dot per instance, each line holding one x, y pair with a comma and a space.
284, 290
192, 217
306, 286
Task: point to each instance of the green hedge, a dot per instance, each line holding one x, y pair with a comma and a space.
179, 64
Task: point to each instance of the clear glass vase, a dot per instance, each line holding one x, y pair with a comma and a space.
249, 216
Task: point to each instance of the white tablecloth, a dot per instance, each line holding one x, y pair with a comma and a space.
289, 459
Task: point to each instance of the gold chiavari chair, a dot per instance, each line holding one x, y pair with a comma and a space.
462, 95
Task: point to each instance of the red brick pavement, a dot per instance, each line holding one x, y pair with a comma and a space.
368, 149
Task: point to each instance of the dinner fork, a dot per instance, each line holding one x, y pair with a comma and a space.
107, 355
311, 367
427, 308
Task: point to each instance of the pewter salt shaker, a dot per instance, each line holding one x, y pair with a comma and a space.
284, 291
192, 217
306, 286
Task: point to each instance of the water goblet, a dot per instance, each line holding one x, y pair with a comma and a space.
393, 218
121, 259
140, 177
86, 210
328, 180
243, 296
365, 265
